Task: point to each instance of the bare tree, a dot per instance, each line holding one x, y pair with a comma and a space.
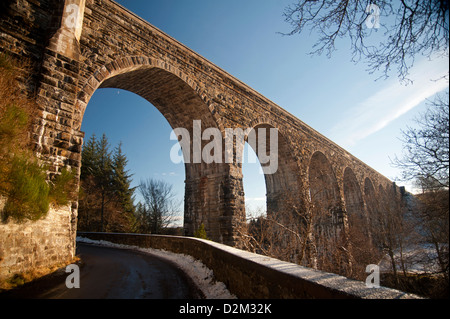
410, 28
434, 220
425, 161
159, 207
307, 232
426, 148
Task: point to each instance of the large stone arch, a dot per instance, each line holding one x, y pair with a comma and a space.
133, 73
176, 96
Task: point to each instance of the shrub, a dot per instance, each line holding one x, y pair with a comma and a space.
62, 189
27, 190
201, 232
24, 181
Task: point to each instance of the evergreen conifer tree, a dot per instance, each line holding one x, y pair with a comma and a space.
122, 183
106, 195
103, 175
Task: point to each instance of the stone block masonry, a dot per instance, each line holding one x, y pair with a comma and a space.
37, 247
78, 46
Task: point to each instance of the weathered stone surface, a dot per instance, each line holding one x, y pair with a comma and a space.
78, 46
37, 246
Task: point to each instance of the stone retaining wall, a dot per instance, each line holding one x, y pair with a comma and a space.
37, 247
252, 276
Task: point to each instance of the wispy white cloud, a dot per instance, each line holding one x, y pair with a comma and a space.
390, 102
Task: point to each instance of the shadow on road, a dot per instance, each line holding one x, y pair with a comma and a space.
110, 273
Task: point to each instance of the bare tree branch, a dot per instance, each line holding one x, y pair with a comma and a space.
426, 148
411, 28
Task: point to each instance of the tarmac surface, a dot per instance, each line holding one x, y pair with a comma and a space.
110, 273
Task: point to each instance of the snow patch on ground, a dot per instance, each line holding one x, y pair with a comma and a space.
200, 274
418, 259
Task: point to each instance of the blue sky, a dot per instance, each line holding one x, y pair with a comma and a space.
336, 97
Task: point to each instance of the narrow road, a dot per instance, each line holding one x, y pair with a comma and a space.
109, 273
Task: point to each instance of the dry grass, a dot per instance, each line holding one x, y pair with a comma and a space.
13, 93
20, 279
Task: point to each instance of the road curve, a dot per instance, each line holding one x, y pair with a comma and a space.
110, 273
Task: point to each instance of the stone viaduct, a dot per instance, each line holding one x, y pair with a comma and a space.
79, 46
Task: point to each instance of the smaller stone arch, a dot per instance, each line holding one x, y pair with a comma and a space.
370, 200
283, 181
329, 218
382, 196
359, 233
325, 194
354, 202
